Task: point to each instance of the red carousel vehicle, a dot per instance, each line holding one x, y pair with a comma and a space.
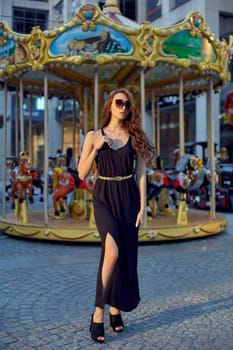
63, 184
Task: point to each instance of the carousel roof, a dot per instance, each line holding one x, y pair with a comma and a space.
118, 49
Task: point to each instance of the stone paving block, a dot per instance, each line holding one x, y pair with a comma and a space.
47, 294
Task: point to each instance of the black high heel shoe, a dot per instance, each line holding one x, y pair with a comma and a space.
97, 331
115, 322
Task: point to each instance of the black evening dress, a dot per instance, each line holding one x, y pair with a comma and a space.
116, 205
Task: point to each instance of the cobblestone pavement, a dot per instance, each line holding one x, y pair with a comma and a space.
47, 294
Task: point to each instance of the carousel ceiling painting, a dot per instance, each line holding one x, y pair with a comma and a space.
118, 49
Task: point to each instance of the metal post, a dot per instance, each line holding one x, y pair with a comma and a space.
182, 217
153, 115
4, 150
96, 98
85, 109
21, 115
143, 108
158, 129
46, 142
62, 124
181, 115
17, 122
74, 132
30, 130
85, 131
143, 116
211, 139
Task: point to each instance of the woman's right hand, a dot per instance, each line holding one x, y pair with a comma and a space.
100, 140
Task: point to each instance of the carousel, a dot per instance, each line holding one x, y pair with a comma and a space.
84, 59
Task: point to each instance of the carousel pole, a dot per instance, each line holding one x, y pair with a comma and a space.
181, 115
30, 129
21, 115
62, 123
182, 217
143, 116
74, 131
96, 105
158, 128
153, 115
85, 131
96, 98
211, 155
143, 109
4, 150
17, 122
85, 109
46, 142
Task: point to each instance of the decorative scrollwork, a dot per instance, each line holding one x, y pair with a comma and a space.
36, 43
88, 14
37, 47
198, 25
147, 40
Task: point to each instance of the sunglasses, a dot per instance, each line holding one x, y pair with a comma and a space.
120, 104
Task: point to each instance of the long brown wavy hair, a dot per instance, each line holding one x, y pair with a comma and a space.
131, 123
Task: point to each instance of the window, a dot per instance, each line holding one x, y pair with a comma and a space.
226, 29
101, 4
153, 9
59, 11
177, 3
24, 19
75, 5
225, 26
128, 8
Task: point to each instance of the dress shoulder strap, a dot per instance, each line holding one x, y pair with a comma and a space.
102, 131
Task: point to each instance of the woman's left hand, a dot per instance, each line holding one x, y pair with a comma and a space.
139, 220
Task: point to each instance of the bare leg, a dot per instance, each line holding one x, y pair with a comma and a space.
110, 258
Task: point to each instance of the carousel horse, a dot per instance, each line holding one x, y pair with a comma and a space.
156, 182
24, 186
161, 183
65, 185
188, 167
82, 205
158, 189
24, 178
201, 186
65, 180
12, 167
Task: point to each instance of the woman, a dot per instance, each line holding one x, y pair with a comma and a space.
120, 149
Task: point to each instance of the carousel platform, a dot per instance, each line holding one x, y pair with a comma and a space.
157, 229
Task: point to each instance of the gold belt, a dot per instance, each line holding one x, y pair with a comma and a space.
115, 178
